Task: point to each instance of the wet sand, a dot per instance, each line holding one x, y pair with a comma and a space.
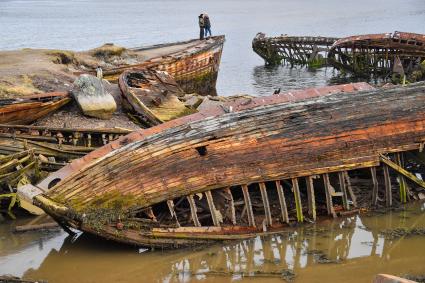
354, 248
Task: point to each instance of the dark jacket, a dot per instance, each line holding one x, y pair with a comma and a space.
201, 22
207, 22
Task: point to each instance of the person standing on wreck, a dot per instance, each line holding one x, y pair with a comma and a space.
207, 25
201, 26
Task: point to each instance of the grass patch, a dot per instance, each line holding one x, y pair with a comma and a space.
108, 50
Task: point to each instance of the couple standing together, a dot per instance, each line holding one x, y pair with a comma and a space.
204, 25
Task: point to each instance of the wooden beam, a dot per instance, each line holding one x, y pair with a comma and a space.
248, 205
402, 171
193, 211
388, 193
297, 196
173, 213
229, 196
375, 186
341, 179
402, 180
311, 197
350, 189
266, 203
282, 202
213, 210
328, 193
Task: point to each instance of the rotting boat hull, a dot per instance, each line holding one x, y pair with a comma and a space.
195, 69
195, 180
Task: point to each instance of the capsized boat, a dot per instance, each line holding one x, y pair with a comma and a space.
243, 169
153, 95
194, 64
27, 109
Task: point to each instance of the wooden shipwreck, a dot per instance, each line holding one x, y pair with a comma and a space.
194, 64
27, 109
246, 168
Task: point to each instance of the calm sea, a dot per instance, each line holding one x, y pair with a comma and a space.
83, 24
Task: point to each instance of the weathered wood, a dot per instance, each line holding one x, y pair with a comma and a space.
402, 171
297, 196
193, 211
266, 203
34, 227
375, 186
248, 205
343, 188
350, 189
282, 202
402, 181
388, 191
231, 202
213, 210
311, 197
328, 194
173, 213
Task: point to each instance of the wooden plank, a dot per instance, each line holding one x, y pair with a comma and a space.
266, 203
402, 180
388, 193
311, 197
375, 186
350, 189
282, 202
341, 179
328, 193
213, 210
229, 195
297, 196
173, 213
193, 211
248, 205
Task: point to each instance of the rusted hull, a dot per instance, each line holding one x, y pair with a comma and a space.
227, 177
194, 69
28, 109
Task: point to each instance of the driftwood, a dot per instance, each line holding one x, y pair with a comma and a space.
35, 227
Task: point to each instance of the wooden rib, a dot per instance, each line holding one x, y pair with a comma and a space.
350, 189
388, 194
193, 211
341, 179
402, 180
282, 202
328, 193
266, 203
173, 213
297, 196
311, 197
375, 186
212, 208
248, 205
402, 171
228, 193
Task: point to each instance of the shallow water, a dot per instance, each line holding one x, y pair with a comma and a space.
83, 24
355, 247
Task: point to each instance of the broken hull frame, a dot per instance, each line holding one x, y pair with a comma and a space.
396, 132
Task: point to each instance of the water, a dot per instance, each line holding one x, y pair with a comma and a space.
84, 24
354, 245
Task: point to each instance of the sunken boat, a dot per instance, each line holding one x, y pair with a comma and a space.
27, 109
248, 168
152, 95
194, 64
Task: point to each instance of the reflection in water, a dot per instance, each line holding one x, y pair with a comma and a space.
269, 78
313, 252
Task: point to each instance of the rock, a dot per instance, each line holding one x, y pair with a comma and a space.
92, 98
193, 102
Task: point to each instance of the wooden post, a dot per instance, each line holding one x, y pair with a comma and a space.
375, 186
341, 179
229, 195
402, 180
297, 196
193, 211
350, 189
328, 194
212, 208
311, 197
388, 194
173, 213
248, 205
282, 202
266, 203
